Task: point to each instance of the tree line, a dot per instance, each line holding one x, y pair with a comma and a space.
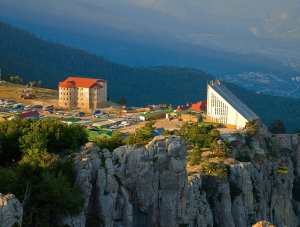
32, 167
34, 59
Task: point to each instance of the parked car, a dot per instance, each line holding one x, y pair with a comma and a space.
17, 106
114, 127
96, 112
97, 115
79, 114
124, 123
27, 107
67, 114
59, 112
8, 105
37, 106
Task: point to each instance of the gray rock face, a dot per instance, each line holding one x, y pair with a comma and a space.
11, 210
135, 186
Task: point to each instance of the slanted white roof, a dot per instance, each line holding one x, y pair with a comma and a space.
236, 103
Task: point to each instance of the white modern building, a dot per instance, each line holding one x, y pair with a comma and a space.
224, 107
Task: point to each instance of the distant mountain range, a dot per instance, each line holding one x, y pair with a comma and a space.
33, 59
254, 45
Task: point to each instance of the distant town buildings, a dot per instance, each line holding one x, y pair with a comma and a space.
224, 107
84, 93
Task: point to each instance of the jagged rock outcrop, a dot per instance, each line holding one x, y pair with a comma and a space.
136, 186
11, 211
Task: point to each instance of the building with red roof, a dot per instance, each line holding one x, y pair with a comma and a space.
181, 108
199, 106
88, 93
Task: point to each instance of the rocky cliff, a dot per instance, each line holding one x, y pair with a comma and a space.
154, 186
11, 211
151, 186
135, 186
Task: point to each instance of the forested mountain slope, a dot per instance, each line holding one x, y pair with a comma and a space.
23, 54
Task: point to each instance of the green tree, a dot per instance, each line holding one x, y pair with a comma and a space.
141, 136
110, 143
252, 128
43, 183
218, 170
162, 106
202, 136
53, 135
194, 156
277, 127
57, 197
32, 83
10, 132
16, 79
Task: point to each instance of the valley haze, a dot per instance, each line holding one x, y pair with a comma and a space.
231, 40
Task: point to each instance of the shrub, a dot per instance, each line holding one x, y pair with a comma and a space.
194, 157
218, 170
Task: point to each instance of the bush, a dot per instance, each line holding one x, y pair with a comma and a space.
194, 156
48, 183
218, 170
110, 143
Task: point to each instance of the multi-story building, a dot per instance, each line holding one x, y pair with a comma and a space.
224, 107
84, 93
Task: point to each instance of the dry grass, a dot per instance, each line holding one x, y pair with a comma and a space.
43, 96
206, 156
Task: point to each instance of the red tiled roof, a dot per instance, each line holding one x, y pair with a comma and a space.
180, 108
199, 105
81, 82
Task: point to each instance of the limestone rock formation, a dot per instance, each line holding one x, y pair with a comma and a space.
150, 186
11, 211
135, 186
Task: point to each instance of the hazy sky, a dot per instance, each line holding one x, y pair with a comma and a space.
240, 26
